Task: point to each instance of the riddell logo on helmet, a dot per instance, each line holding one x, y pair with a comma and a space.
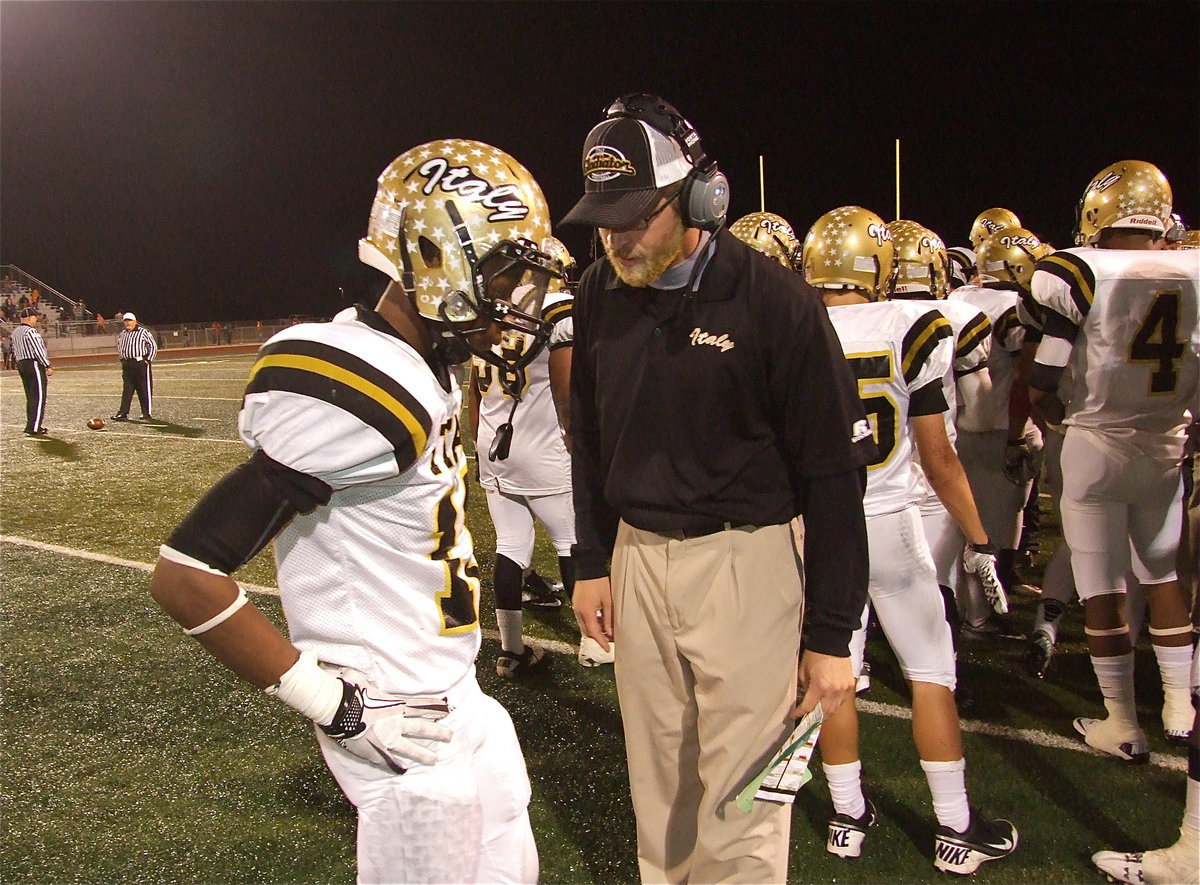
880, 232
604, 163
462, 182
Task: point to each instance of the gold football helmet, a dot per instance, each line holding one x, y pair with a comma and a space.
850, 248
962, 265
457, 224
988, 222
1010, 255
1129, 194
554, 248
1191, 240
770, 235
922, 262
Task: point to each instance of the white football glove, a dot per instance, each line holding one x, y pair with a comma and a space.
394, 733
391, 732
980, 560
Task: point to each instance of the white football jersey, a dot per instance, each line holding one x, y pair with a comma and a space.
894, 348
990, 411
1133, 367
538, 462
972, 346
382, 578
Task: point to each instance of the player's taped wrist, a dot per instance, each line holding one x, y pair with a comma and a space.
309, 690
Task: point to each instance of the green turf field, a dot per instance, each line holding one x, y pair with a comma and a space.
130, 756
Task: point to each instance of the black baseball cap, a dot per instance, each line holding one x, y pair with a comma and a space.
627, 166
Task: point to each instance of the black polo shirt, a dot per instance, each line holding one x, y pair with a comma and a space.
723, 405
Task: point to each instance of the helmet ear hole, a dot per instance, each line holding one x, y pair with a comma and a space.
431, 253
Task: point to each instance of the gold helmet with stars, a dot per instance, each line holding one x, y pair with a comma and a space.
769, 234
1128, 194
457, 224
922, 262
1010, 256
988, 222
559, 253
850, 247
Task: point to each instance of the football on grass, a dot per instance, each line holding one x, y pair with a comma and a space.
95, 424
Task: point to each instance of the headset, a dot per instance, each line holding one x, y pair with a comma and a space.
705, 195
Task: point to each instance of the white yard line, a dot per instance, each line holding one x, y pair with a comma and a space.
1021, 735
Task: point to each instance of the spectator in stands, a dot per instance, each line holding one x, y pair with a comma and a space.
227, 332
23, 301
6, 349
35, 299
100, 328
214, 332
82, 309
10, 309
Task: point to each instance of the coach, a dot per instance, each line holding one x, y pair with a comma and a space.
29, 350
714, 405
136, 348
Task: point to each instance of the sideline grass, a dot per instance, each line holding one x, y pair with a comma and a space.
130, 756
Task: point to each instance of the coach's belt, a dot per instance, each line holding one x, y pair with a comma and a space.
698, 532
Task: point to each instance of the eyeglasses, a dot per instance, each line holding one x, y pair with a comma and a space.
645, 222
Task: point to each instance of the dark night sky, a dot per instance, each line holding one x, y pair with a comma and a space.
198, 161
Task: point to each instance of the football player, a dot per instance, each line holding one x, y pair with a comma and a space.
962, 265
997, 442
358, 476
1121, 320
521, 427
923, 269
990, 222
901, 354
771, 235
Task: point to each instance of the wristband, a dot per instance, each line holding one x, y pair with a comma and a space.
988, 547
308, 689
221, 617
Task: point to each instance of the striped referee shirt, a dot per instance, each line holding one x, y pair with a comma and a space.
136, 344
27, 344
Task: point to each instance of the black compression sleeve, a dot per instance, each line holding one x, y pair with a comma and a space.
835, 561
246, 508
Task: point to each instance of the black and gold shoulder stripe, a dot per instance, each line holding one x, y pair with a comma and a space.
919, 343
556, 312
1073, 271
1008, 321
350, 383
973, 333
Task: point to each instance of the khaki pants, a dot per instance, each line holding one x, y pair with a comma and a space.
708, 631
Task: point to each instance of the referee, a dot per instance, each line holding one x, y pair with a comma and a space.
136, 348
29, 350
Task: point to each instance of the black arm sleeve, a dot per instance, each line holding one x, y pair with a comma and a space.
246, 508
595, 521
836, 565
928, 400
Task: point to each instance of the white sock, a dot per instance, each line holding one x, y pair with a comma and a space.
1115, 676
845, 787
509, 623
948, 787
1191, 808
1174, 665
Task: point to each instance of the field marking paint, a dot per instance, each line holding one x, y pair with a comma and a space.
71, 431
874, 708
110, 560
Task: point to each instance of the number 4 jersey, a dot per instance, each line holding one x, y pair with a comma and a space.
383, 577
1125, 322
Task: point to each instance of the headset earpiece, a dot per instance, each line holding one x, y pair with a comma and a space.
704, 200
